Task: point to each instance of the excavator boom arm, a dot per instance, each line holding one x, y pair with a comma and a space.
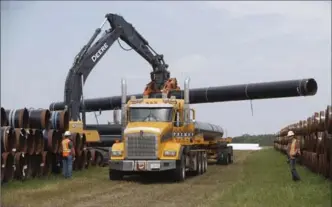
92, 53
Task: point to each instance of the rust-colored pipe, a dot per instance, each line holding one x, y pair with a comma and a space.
18, 118
7, 166
4, 119
46, 163
21, 140
8, 139
20, 166
53, 140
37, 166
328, 120
59, 120
39, 141
39, 118
30, 141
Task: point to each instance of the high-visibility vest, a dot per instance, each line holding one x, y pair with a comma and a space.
293, 148
65, 147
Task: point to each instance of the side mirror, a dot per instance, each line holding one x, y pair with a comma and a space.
99, 111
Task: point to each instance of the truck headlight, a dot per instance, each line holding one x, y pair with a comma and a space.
169, 153
116, 153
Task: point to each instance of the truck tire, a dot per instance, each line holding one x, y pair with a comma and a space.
197, 170
179, 173
205, 163
230, 158
201, 164
115, 175
222, 158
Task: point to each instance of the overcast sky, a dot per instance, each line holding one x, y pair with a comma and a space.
215, 43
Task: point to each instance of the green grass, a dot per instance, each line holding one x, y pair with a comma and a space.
256, 179
265, 180
44, 181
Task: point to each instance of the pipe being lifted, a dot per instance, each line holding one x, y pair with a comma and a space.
251, 91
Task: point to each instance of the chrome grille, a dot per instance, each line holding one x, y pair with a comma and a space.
145, 147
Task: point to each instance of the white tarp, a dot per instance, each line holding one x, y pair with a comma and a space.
244, 146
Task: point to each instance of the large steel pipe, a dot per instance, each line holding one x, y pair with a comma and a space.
105, 129
8, 139
59, 120
4, 120
39, 118
18, 118
21, 140
251, 91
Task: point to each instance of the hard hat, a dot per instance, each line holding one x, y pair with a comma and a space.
67, 134
290, 133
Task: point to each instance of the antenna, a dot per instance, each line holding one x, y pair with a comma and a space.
252, 109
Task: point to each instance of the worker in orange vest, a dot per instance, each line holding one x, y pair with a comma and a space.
293, 152
68, 155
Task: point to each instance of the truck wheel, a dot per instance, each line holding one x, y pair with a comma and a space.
205, 162
201, 163
230, 158
197, 170
179, 173
115, 175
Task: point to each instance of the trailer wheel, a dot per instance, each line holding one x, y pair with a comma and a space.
115, 175
231, 158
179, 173
205, 162
201, 163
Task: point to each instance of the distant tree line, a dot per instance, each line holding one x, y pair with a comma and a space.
261, 139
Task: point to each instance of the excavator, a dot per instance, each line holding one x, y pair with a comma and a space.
92, 53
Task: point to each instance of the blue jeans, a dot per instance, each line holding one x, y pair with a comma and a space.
67, 166
295, 175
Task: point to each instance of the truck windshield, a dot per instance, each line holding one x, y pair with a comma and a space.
150, 114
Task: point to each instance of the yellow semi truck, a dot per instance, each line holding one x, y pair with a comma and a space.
162, 134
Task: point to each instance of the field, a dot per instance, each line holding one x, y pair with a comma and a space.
257, 178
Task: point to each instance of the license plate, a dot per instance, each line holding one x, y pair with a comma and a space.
155, 165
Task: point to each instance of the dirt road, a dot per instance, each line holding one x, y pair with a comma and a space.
97, 190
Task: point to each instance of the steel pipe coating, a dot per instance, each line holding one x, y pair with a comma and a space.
59, 120
18, 118
251, 91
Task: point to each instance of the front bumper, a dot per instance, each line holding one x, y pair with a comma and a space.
142, 165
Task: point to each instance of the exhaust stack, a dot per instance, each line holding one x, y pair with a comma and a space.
186, 102
123, 104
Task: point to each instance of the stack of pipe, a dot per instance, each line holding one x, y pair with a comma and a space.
30, 143
314, 134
